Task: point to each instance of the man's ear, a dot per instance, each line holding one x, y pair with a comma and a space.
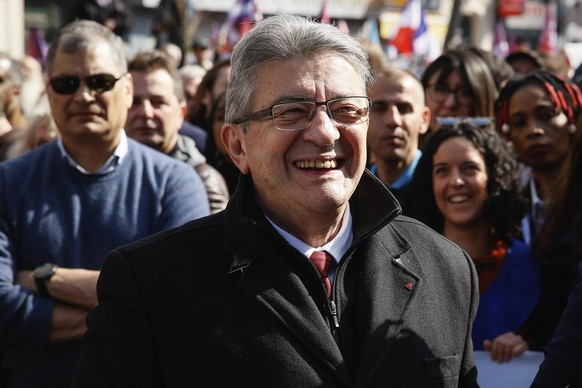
426, 115
183, 109
234, 140
129, 90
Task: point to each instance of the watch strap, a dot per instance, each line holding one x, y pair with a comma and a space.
42, 286
42, 275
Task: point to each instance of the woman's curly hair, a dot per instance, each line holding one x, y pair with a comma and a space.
505, 204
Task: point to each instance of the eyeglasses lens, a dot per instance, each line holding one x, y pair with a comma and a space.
295, 116
98, 83
441, 92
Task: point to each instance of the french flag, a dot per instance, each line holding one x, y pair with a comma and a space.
412, 35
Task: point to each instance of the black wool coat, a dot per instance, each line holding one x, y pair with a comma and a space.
225, 301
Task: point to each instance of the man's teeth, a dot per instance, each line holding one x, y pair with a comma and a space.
316, 164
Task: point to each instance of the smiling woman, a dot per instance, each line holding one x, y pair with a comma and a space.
466, 186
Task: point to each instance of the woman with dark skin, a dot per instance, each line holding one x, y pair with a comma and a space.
560, 246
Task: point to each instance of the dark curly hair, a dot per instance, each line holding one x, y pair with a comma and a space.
505, 204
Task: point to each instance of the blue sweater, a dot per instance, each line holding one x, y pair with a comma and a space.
51, 212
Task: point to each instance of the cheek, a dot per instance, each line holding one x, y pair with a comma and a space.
438, 188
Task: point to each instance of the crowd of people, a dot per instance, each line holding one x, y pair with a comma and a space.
301, 213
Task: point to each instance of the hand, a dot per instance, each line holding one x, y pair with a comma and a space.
505, 346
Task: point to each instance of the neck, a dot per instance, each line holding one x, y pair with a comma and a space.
475, 239
313, 232
90, 154
389, 171
544, 182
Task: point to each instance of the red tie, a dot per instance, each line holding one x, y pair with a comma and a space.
322, 261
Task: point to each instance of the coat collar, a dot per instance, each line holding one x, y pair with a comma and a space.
372, 205
278, 277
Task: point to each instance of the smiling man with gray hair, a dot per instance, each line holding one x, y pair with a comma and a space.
309, 278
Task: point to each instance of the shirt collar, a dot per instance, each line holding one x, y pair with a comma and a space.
111, 164
337, 247
406, 175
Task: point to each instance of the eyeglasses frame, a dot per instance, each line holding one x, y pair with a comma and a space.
84, 79
269, 112
450, 91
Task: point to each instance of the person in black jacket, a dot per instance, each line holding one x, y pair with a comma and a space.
562, 365
235, 299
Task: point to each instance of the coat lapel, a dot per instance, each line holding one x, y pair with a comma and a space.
389, 288
280, 289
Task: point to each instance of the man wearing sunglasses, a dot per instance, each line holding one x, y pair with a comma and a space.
309, 278
65, 204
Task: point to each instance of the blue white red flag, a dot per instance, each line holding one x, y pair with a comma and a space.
412, 37
411, 29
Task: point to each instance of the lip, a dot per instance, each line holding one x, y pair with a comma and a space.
458, 199
392, 139
85, 114
538, 149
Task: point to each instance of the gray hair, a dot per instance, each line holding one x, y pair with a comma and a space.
81, 35
284, 37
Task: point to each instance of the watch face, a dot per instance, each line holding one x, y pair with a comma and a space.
45, 271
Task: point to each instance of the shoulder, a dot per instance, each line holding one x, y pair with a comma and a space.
428, 247
150, 158
32, 162
415, 230
190, 238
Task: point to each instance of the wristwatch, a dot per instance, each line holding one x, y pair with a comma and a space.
42, 275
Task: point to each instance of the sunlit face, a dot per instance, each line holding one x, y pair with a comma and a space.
274, 158
459, 179
155, 116
397, 118
86, 114
450, 106
539, 134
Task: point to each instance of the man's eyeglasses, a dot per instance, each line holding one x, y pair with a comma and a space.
440, 92
296, 116
98, 83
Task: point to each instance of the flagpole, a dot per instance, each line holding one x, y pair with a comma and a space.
454, 23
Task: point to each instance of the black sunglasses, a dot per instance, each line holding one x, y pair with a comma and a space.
98, 83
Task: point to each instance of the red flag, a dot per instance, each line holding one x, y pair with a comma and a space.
549, 37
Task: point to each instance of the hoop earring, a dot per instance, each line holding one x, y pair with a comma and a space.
571, 129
